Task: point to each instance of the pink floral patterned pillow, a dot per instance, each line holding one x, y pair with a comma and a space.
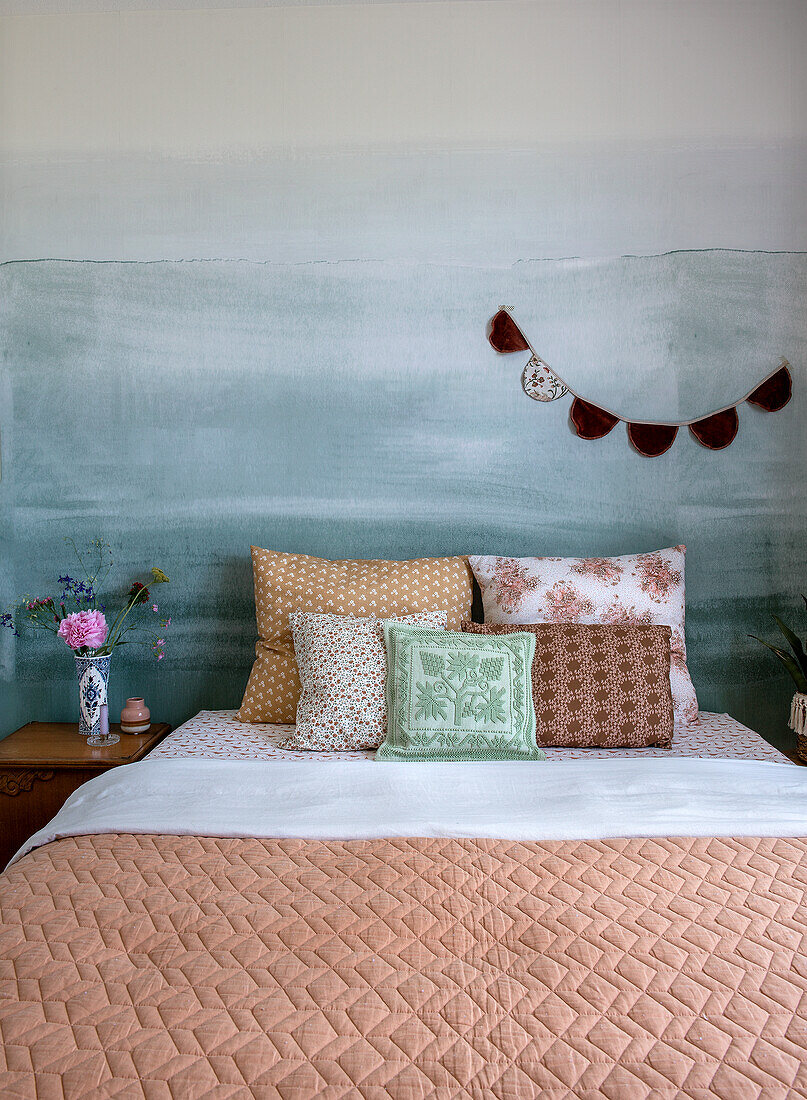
343, 668
634, 588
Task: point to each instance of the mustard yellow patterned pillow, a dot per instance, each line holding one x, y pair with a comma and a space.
297, 582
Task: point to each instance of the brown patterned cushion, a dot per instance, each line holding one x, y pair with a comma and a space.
607, 686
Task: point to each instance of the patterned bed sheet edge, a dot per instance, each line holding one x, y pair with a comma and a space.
216, 734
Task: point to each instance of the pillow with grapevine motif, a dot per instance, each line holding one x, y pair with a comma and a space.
453, 696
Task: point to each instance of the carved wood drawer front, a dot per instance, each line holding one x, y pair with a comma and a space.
20, 780
43, 763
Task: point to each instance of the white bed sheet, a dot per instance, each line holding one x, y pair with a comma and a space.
568, 800
216, 733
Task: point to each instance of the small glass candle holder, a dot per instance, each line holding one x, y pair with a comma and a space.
103, 736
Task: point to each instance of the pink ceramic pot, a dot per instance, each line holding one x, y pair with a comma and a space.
135, 717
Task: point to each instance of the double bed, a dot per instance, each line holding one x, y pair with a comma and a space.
229, 919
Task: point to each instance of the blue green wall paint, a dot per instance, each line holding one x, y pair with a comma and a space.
183, 410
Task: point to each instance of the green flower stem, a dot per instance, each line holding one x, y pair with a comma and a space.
157, 577
111, 641
93, 580
35, 619
118, 623
114, 633
113, 628
72, 543
39, 625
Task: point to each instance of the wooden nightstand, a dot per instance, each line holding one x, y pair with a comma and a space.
44, 762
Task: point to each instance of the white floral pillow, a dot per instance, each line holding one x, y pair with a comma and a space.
634, 588
343, 667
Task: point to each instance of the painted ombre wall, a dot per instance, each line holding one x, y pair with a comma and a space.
248, 257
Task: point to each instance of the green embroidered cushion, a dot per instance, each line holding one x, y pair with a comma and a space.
453, 696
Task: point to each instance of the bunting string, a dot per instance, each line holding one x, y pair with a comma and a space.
651, 438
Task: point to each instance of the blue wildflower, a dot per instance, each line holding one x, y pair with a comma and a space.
7, 619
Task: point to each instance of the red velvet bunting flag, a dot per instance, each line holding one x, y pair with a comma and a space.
505, 334
716, 431
589, 421
774, 393
652, 440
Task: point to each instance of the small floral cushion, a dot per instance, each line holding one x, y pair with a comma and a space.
453, 696
343, 666
644, 589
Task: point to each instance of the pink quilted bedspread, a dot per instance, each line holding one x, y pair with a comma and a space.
171, 967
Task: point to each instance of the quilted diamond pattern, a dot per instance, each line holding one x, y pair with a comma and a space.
169, 967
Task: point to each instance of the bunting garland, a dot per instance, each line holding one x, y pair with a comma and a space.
651, 438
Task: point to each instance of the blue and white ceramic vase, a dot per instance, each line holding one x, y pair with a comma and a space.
93, 678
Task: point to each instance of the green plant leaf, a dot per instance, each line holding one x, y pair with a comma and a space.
799, 679
795, 643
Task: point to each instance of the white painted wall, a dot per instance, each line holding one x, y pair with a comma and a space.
467, 131
461, 144
442, 75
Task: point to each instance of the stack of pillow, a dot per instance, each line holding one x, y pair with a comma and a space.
383, 655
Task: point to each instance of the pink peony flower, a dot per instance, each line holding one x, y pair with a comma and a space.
83, 628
